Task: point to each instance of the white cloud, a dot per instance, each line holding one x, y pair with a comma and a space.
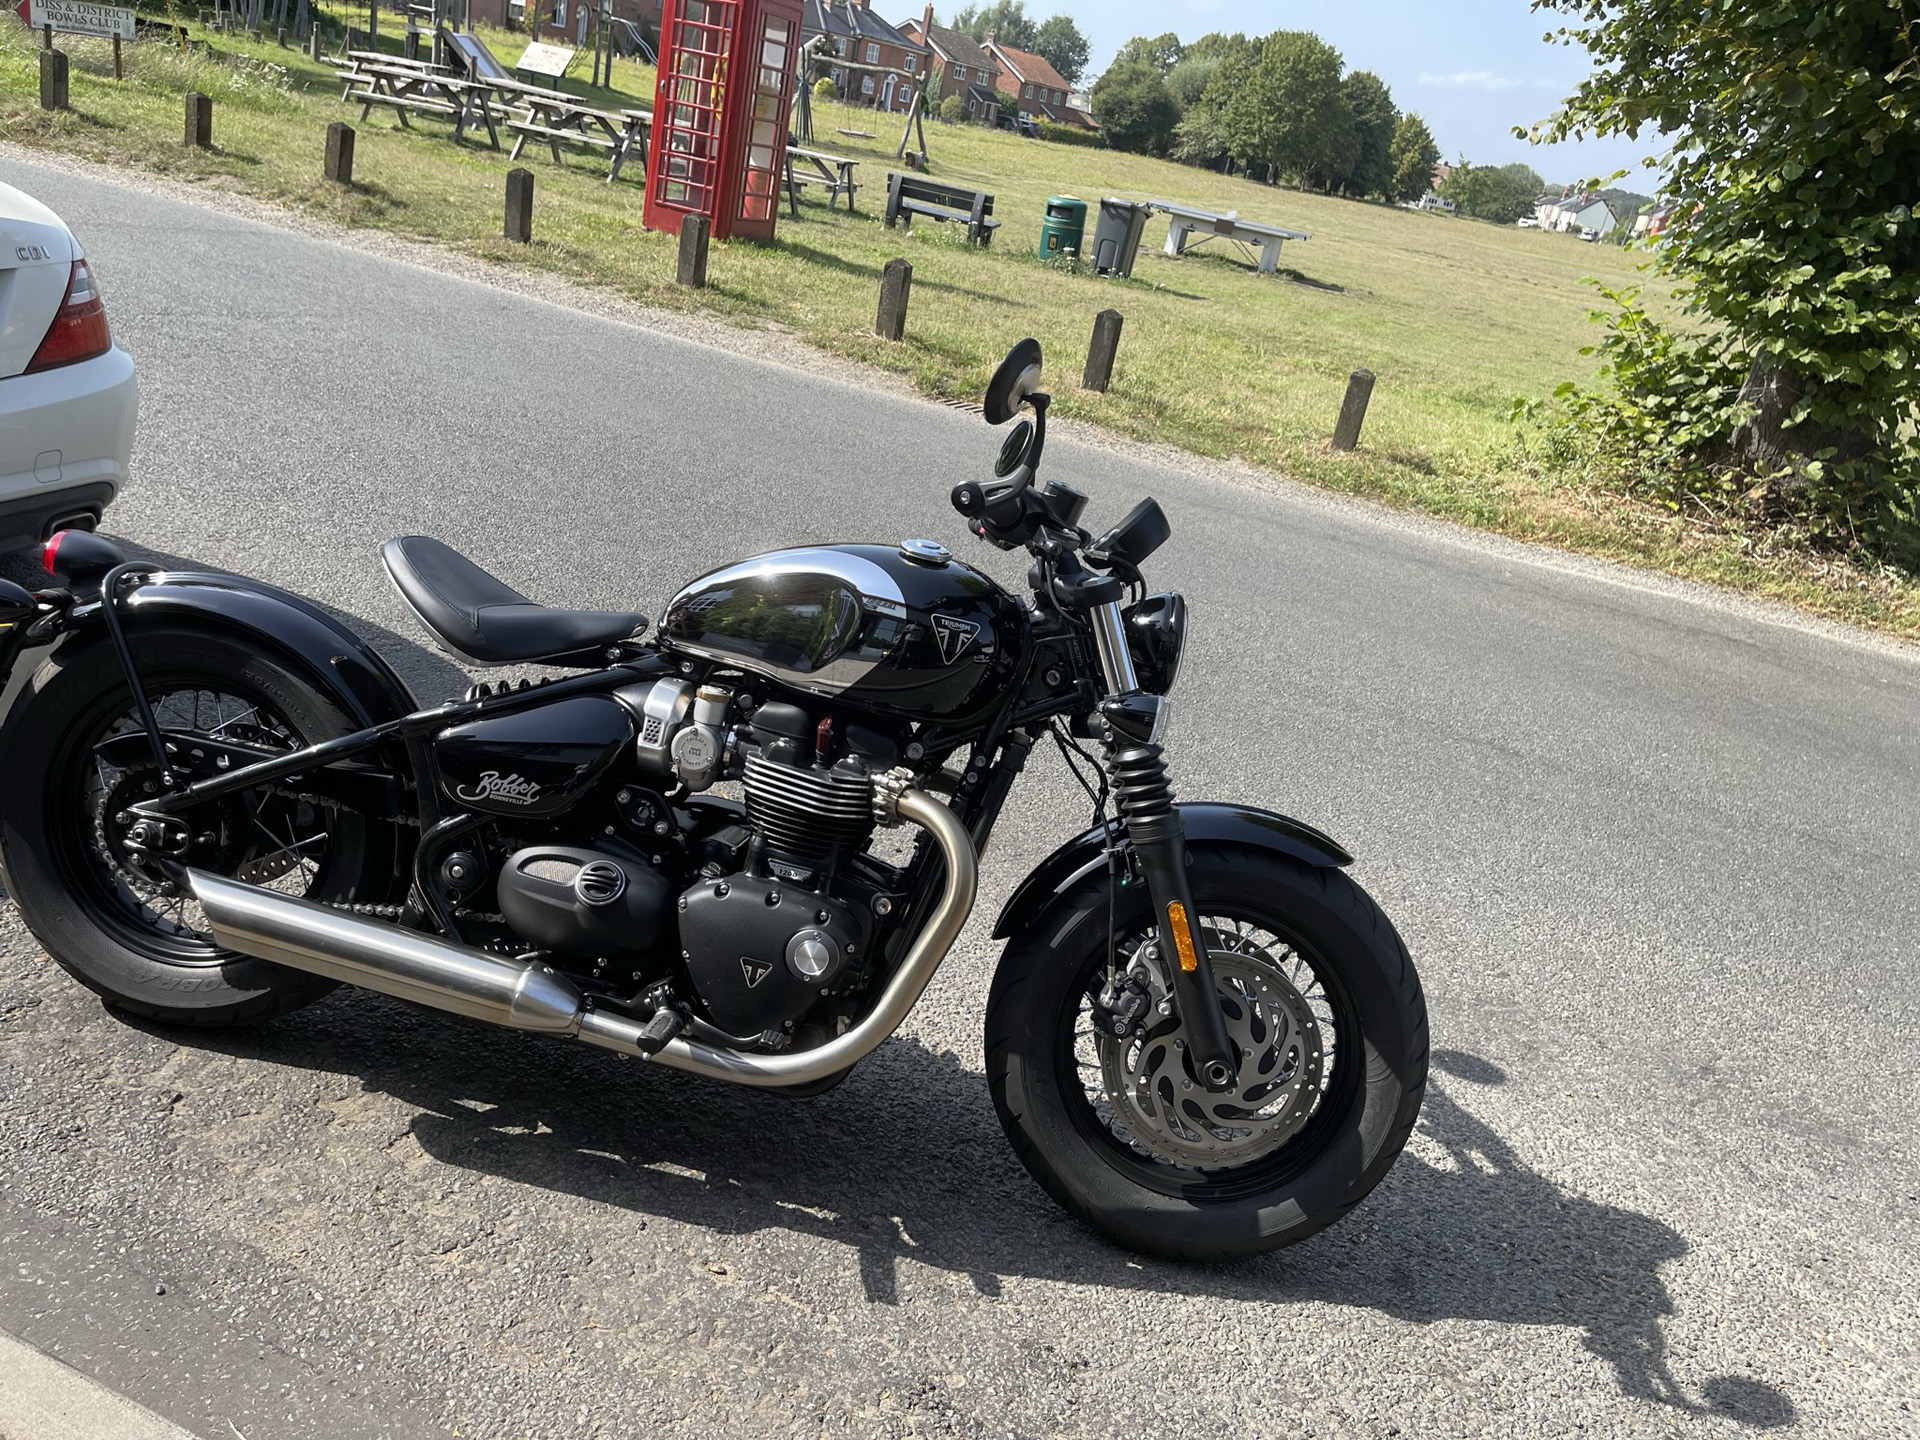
1475, 79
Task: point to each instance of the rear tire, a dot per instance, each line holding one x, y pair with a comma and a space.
74, 889
1357, 1115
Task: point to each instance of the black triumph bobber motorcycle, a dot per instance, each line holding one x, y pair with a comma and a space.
1203, 1037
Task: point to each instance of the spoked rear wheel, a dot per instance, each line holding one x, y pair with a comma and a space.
1326, 1015
97, 898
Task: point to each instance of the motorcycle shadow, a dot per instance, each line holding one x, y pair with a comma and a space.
905, 1162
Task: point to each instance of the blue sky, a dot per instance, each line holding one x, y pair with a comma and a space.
1473, 68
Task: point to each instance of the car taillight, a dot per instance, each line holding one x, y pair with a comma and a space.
79, 330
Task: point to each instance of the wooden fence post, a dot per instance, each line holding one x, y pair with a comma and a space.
520, 206
1353, 410
1106, 343
694, 233
896, 286
339, 164
53, 80
199, 135
313, 42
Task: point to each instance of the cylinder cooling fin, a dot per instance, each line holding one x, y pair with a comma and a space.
809, 817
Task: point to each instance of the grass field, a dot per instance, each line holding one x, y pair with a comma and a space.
1456, 318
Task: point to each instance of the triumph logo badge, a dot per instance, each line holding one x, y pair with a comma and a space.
492, 785
953, 636
754, 970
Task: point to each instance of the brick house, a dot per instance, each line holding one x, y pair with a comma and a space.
1040, 90
965, 69
559, 22
871, 62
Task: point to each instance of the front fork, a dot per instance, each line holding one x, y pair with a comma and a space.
1144, 800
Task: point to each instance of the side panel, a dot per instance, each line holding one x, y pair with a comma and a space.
1204, 821
339, 661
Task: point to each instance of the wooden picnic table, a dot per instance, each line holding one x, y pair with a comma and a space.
834, 173
559, 118
413, 88
1189, 229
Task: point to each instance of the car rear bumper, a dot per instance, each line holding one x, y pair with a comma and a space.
65, 438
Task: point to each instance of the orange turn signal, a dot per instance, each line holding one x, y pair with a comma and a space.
1182, 936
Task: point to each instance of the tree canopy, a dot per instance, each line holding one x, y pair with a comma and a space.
1059, 42
1790, 180
1501, 193
1374, 118
1163, 52
1284, 108
1007, 20
1135, 109
1411, 159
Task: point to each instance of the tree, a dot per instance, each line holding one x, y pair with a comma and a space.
1163, 52
1135, 109
1501, 195
1795, 134
1374, 121
953, 109
1059, 42
1217, 46
1006, 20
1411, 158
1189, 79
1285, 108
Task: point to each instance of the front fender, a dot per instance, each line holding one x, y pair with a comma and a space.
339, 662
1204, 821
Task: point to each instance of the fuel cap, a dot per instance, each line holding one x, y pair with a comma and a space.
925, 552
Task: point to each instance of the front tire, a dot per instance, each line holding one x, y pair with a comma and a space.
113, 925
1304, 957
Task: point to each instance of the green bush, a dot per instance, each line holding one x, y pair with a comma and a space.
823, 89
1070, 135
953, 109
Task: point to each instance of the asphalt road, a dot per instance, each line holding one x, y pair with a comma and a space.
1653, 854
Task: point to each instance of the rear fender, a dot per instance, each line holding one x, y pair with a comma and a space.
1205, 822
338, 662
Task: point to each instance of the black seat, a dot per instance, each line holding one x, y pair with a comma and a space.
479, 617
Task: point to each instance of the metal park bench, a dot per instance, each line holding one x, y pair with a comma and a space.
911, 195
1188, 229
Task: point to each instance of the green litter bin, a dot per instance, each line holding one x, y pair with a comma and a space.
1064, 227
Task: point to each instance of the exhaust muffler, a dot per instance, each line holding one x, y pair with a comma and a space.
524, 996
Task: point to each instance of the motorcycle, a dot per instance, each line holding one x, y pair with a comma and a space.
1202, 1037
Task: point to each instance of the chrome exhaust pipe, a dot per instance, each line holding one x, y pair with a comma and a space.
504, 991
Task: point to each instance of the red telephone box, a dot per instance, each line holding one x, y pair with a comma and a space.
719, 141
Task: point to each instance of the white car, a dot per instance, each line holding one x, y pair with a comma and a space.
67, 392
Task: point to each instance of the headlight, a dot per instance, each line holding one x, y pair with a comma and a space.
1157, 636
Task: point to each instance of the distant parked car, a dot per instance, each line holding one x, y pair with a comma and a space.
1527, 222
67, 392
1589, 234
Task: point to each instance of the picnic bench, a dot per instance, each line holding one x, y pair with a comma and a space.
1189, 229
832, 173
912, 195
559, 119
413, 88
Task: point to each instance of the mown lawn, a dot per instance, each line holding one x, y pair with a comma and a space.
1457, 319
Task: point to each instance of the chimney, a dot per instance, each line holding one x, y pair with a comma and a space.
926, 25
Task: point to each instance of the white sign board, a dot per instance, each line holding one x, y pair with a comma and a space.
81, 17
542, 59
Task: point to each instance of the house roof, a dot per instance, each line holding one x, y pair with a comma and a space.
954, 46
1028, 68
852, 22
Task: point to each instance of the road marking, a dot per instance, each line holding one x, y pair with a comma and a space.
42, 1399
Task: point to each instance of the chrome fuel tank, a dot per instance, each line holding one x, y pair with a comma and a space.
907, 631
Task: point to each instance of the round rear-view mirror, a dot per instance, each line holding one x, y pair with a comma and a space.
1014, 450
1017, 378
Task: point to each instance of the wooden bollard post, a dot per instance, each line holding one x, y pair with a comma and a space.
282, 37
118, 73
1106, 343
896, 287
520, 206
53, 79
695, 231
339, 168
313, 43
1353, 410
199, 133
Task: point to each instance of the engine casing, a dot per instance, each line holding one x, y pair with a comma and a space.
761, 952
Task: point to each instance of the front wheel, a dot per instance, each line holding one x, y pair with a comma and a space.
1324, 1008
